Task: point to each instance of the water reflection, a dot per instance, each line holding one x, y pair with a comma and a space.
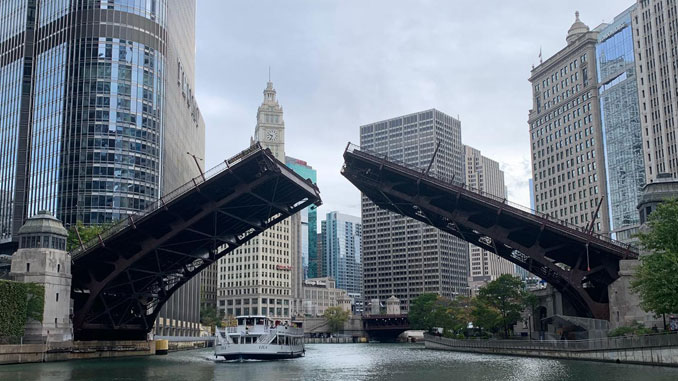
334, 362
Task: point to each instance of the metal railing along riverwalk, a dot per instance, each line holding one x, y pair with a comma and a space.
608, 343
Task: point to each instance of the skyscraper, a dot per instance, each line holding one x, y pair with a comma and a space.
97, 113
320, 250
342, 235
656, 68
303, 232
568, 158
401, 256
309, 221
622, 135
257, 277
483, 174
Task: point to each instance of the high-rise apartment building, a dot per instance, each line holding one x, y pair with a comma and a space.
483, 174
653, 23
96, 114
320, 250
403, 257
620, 113
566, 137
309, 221
257, 278
303, 232
342, 235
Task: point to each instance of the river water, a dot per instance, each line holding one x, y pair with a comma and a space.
407, 362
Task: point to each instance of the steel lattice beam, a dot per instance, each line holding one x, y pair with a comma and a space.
549, 249
120, 285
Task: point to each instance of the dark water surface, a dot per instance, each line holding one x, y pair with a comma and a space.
407, 362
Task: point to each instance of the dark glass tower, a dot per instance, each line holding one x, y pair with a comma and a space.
96, 110
622, 132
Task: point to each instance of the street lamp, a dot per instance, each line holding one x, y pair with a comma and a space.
195, 158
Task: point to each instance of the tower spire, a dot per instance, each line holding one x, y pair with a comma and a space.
269, 73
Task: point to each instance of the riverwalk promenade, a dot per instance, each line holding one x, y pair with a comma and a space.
660, 349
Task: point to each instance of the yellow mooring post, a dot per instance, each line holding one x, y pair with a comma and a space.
161, 347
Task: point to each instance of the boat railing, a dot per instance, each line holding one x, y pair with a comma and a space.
266, 339
289, 330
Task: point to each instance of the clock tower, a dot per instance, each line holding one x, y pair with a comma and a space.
267, 290
270, 129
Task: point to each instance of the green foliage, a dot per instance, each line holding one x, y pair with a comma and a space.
498, 304
35, 301
19, 301
420, 315
12, 308
210, 317
86, 233
430, 311
634, 329
336, 317
506, 296
656, 280
485, 316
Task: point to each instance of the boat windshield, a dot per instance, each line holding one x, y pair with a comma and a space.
249, 321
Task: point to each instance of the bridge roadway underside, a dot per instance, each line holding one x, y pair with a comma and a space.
385, 328
120, 284
560, 254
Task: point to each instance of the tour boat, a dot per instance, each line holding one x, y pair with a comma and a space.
261, 338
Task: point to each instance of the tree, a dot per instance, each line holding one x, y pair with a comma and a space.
336, 317
430, 311
462, 307
656, 279
210, 317
506, 295
86, 233
421, 312
484, 316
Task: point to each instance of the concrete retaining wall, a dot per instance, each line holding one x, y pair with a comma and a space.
657, 350
16, 354
328, 340
353, 326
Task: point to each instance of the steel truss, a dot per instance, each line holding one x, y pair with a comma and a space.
120, 284
578, 264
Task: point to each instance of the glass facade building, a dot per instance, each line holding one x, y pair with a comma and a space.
619, 108
96, 111
342, 238
309, 221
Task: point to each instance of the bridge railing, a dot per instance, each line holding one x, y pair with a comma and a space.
130, 219
419, 172
606, 343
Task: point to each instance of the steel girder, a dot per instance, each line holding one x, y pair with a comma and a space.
577, 264
120, 284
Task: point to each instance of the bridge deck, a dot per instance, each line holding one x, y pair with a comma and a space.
579, 264
122, 279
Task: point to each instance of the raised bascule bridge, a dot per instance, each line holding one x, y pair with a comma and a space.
122, 278
576, 262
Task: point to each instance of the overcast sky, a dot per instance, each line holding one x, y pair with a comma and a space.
337, 65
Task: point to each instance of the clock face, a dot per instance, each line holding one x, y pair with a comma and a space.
271, 135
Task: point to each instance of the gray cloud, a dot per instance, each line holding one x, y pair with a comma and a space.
337, 65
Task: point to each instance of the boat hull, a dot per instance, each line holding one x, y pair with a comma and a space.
259, 351
261, 356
